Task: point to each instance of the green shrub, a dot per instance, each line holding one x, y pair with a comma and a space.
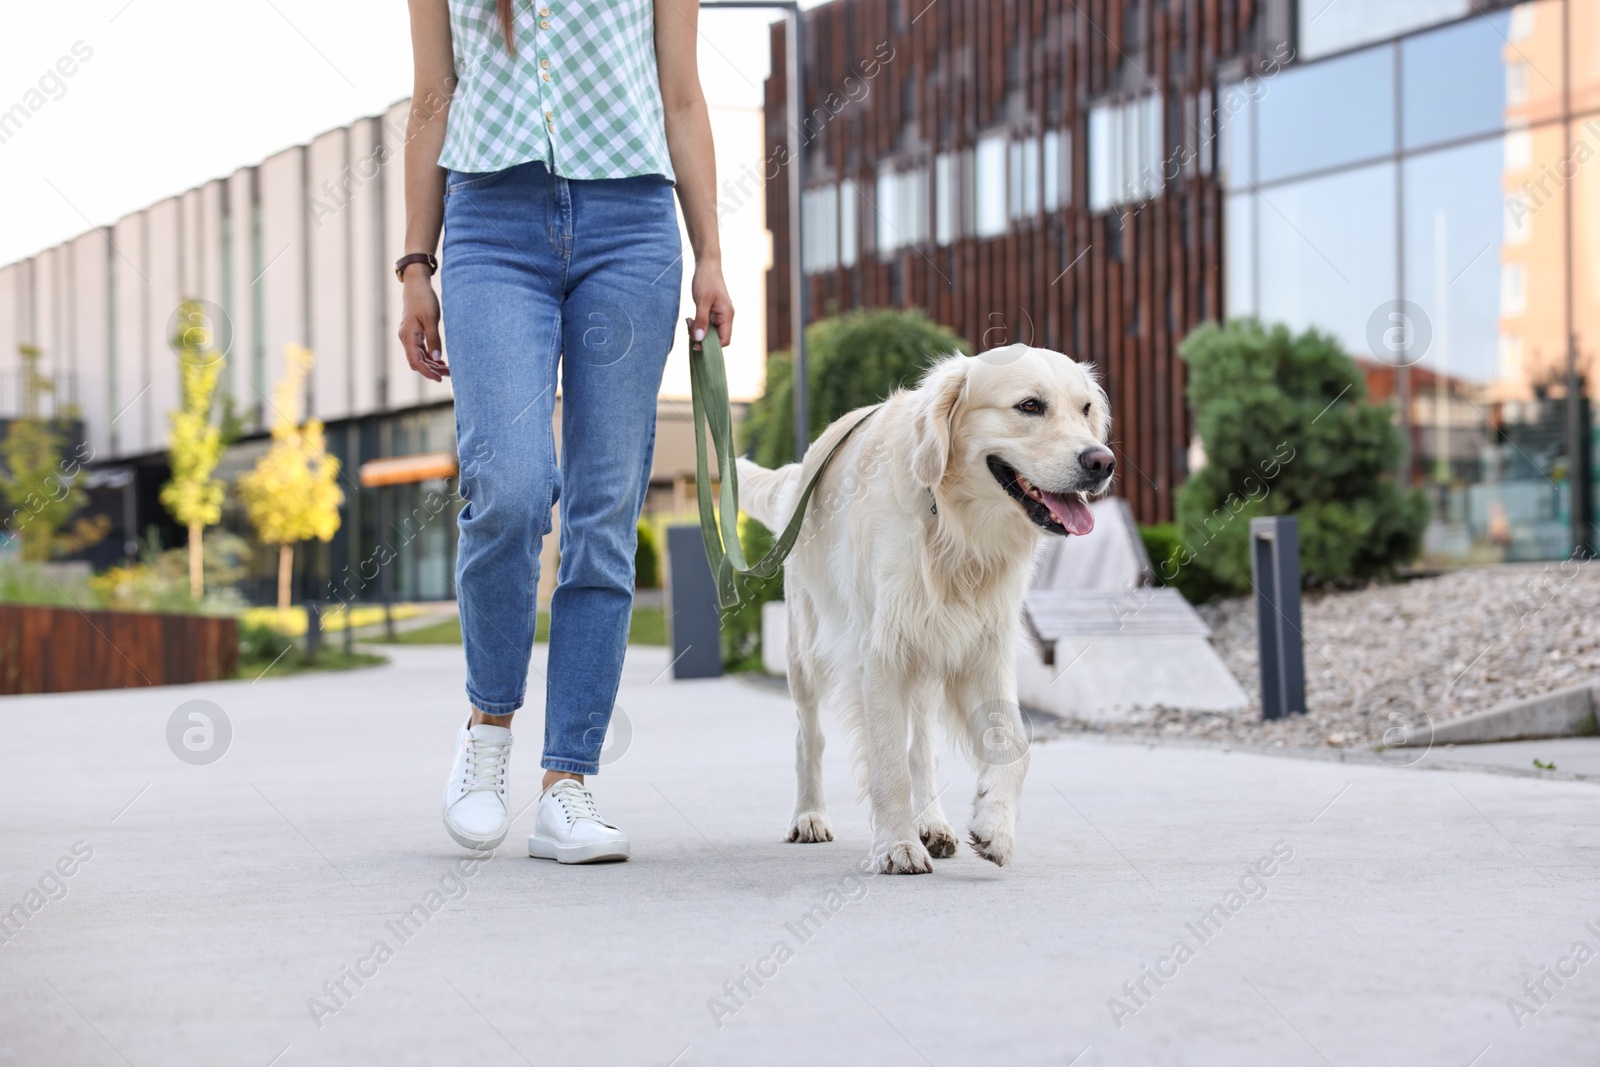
852, 360
160, 580
741, 624
1164, 546
261, 644
647, 558
1287, 430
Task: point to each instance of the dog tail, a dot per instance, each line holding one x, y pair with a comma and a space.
768, 496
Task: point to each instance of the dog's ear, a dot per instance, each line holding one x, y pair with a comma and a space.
930, 434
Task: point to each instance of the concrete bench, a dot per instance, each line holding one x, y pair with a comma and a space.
1102, 642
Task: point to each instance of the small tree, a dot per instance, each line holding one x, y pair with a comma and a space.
292, 494
42, 483
852, 360
1287, 431
194, 445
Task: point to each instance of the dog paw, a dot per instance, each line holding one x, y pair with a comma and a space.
810, 828
993, 830
906, 857
995, 848
940, 840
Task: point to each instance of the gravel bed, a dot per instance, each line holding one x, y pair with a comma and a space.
1398, 656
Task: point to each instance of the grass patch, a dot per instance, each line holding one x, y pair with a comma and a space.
265, 652
292, 660
447, 632
647, 627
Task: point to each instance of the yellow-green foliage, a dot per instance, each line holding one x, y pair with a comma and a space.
293, 493
194, 444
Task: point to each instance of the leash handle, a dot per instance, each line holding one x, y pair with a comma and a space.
708, 386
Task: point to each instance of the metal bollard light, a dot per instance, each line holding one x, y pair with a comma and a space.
1275, 573
693, 618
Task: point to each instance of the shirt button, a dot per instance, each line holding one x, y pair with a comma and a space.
549, 116
545, 63
546, 77
544, 12
544, 24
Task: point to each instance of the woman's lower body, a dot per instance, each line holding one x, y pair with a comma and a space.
546, 283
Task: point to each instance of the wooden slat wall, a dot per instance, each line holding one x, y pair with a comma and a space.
1148, 274
59, 650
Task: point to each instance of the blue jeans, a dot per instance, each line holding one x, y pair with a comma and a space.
540, 271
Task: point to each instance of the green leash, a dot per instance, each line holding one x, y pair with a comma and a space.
708, 384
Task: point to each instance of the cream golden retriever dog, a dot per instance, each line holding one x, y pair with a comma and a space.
904, 591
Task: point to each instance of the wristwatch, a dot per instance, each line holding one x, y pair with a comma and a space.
405, 261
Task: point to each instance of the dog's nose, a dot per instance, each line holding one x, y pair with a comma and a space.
1098, 461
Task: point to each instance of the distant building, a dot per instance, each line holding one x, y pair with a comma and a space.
299, 248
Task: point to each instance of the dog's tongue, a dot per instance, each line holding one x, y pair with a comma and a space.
1071, 512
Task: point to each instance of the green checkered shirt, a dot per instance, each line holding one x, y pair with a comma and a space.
580, 94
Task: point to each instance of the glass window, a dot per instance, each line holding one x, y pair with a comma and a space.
1455, 227
1325, 114
1057, 170
1328, 26
944, 198
1205, 130
1125, 152
913, 218
1484, 261
1325, 253
1151, 163
1015, 173
1239, 255
1469, 78
849, 197
1105, 147
1455, 81
990, 218
902, 209
1236, 126
1030, 177
887, 206
820, 235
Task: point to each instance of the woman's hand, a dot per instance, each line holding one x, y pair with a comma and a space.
711, 302
419, 326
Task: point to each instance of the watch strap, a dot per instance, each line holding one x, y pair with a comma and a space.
405, 261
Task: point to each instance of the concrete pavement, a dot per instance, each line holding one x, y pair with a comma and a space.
233, 912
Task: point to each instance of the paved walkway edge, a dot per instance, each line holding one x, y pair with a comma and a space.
1563, 713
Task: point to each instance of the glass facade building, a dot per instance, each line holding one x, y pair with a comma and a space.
1430, 201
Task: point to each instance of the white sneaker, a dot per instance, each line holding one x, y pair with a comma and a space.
475, 809
568, 828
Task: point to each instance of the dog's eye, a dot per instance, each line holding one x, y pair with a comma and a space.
1031, 406
1086, 408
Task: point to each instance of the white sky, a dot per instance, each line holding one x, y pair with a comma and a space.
181, 91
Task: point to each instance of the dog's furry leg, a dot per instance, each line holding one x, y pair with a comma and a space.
810, 822
885, 716
932, 826
997, 739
